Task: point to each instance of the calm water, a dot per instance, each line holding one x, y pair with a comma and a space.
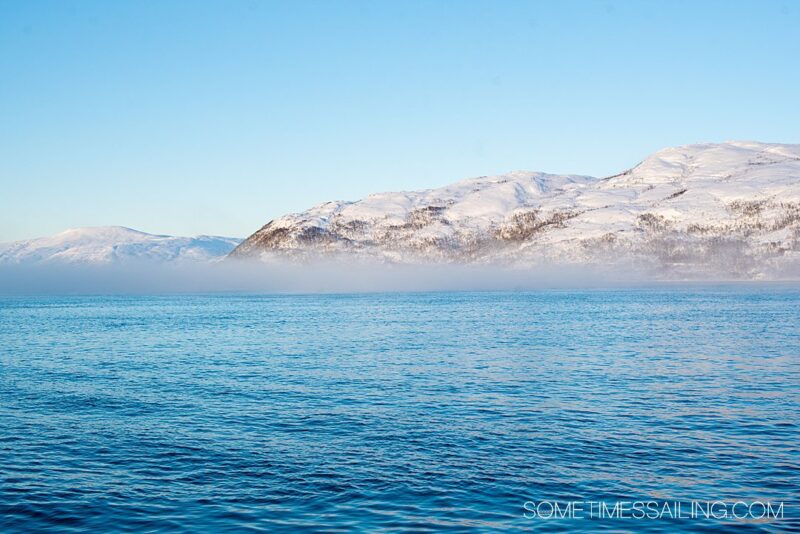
395, 411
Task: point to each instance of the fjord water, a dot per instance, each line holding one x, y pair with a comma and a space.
405, 411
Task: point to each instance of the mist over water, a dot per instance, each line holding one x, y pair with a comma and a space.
319, 277
238, 395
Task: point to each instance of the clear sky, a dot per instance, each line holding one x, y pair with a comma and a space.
214, 117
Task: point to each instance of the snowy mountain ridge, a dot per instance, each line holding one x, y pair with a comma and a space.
730, 208
114, 244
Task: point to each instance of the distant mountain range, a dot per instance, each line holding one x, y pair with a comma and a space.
729, 210
723, 210
114, 244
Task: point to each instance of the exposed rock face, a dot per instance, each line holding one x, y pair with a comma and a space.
729, 210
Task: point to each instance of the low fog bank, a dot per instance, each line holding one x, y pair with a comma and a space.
239, 276
227, 276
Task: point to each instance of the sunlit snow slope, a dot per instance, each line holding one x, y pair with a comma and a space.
112, 244
729, 209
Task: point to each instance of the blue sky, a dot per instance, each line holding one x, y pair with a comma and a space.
214, 117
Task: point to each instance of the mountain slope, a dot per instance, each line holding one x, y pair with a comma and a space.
114, 244
729, 209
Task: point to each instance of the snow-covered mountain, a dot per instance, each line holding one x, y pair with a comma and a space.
114, 244
729, 209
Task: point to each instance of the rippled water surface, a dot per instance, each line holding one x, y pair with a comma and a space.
395, 411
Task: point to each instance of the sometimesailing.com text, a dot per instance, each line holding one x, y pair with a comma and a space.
735, 510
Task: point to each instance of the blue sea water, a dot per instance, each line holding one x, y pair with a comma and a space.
398, 411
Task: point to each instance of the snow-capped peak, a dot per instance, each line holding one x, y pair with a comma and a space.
732, 207
715, 161
109, 244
